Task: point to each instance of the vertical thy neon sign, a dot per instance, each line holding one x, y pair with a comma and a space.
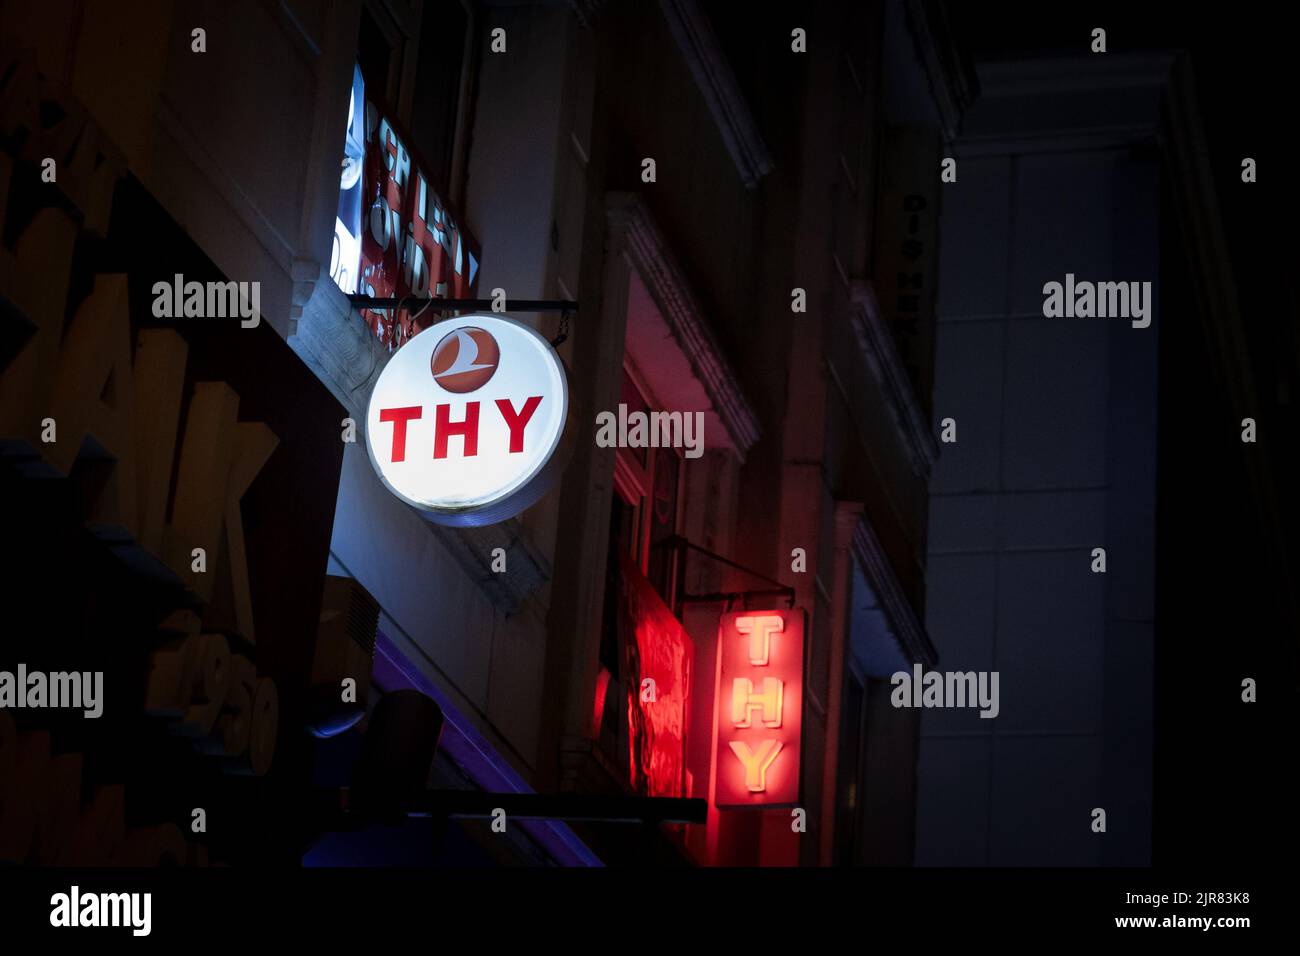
759, 708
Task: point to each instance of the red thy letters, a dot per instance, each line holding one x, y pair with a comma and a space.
467, 428
399, 417
444, 428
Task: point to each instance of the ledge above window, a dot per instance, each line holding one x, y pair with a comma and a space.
668, 339
880, 353
717, 83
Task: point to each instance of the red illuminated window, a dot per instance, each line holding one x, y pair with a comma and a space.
644, 514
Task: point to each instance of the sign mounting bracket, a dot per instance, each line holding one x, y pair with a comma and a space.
682, 545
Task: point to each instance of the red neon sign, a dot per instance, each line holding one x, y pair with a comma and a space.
759, 708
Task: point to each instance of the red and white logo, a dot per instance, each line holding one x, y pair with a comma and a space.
465, 359
463, 424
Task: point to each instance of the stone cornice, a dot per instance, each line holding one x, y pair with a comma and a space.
878, 348
716, 82
638, 237
953, 82
903, 621
1019, 109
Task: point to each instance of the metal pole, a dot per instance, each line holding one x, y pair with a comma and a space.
787, 593
446, 305
562, 806
334, 810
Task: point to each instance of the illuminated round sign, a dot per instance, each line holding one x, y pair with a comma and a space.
466, 419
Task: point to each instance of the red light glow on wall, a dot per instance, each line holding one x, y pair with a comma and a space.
759, 708
602, 688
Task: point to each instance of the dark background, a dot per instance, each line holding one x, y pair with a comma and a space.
1224, 781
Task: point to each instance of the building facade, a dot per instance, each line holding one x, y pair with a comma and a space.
1055, 457
745, 212
1073, 539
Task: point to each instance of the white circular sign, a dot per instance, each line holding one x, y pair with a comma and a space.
466, 418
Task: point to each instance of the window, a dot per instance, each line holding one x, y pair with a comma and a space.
436, 104
378, 55
643, 522
647, 481
849, 796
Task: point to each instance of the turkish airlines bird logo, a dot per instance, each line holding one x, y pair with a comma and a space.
465, 359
